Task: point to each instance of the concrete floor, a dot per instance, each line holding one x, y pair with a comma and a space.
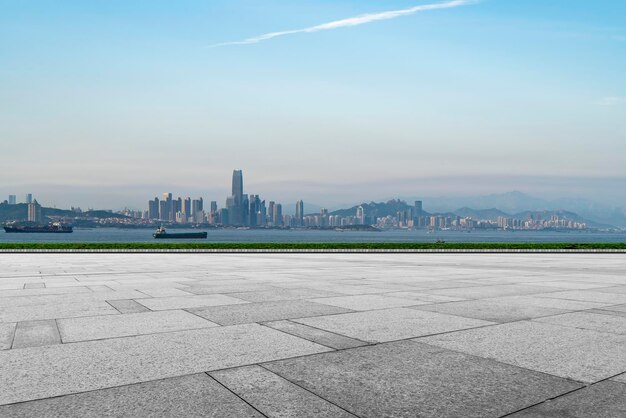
319, 335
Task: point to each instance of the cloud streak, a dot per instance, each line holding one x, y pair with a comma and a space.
351, 21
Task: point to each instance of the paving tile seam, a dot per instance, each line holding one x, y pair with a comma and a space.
544, 401
586, 386
235, 394
574, 327
310, 391
330, 332
140, 335
298, 336
583, 384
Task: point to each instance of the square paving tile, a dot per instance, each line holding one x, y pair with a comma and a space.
36, 334
282, 294
583, 355
264, 311
112, 326
491, 310
42, 372
586, 320
391, 324
483, 292
68, 310
182, 302
589, 296
189, 396
368, 302
408, 379
605, 399
316, 335
127, 306
274, 396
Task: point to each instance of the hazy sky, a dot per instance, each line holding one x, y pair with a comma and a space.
107, 103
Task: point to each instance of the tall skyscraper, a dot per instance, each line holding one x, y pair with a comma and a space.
278, 215
236, 205
418, 207
12, 199
187, 208
360, 215
169, 214
237, 190
300, 213
213, 206
29, 198
34, 212
153, 208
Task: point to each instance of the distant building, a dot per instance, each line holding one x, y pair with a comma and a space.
34, 212
360, 215
29, 198
12, 199
153, 208
278, 215
299, 213
418, 207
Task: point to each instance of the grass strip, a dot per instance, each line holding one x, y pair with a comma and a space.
314, 246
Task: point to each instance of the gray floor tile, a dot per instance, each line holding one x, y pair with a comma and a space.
67, 310
483, 292
274, 396
407, 379
282, 294
605, 399
583, 355
589, 296
264, 311
128, 306
491, 310
36, 334
368, 302
390, 324
316, 335
189, 396
7, 331
159, 292
182, 302
423, 297
112, 326
34, 286
35, 373
586, 320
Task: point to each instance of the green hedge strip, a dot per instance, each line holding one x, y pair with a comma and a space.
314, 246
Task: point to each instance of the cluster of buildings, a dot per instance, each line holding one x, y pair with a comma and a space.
240, 210
243, 210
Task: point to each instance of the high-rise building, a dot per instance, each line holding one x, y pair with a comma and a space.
299, 213
237, 189
360, 215
186, 209
418, 207
12, 199
213, 206
34, 212
29, 198
153, 208
278, 215
163, 210
168, 214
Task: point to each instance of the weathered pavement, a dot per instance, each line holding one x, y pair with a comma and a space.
371, 335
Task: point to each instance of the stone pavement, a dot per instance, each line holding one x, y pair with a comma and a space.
313, 335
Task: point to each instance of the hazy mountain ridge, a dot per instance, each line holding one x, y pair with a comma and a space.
20, 212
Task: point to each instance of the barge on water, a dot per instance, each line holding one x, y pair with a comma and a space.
162, 234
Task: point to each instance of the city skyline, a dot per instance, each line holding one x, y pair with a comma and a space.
105, 102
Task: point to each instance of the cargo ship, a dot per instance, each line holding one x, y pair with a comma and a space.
53, 228
162, 234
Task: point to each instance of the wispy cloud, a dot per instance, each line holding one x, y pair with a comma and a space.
611, 101
351, 21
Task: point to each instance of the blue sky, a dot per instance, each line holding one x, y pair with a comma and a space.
108, 103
